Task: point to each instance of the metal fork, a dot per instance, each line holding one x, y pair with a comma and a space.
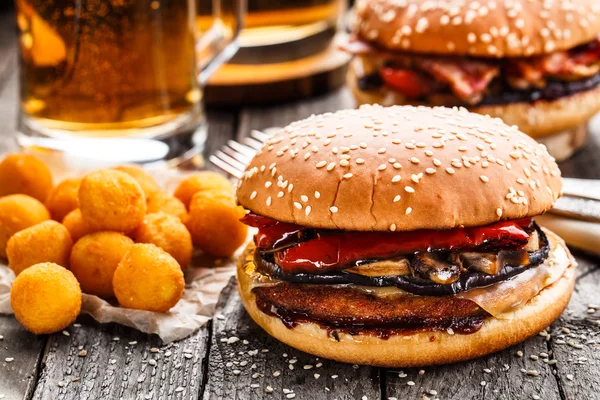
581, 197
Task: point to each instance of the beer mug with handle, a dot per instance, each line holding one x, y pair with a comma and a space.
115, 68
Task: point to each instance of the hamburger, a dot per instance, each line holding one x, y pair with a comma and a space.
402, 236
535, 64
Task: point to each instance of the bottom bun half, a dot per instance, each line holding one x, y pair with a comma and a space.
421, 348
537, 119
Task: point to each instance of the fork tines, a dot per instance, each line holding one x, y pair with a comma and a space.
233, 157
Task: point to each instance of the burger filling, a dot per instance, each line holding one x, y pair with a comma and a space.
394, 282
473, 81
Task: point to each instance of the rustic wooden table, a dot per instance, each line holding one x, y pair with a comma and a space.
232, 358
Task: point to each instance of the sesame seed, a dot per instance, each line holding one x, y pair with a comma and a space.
307, 156
330, 166
307, 210
450, 170
348, 175
414, 160
430, 171
280, 194
397, 198
415, 178
408, 210
484, 179
253, 195
396, 178
317, 194
269, 201
499, 212
409, 189
381, 150
344, 163
321, 164
298, 205
268, 184
392, 227
333, 209
360, 161
397, 165
437, 162
381, 167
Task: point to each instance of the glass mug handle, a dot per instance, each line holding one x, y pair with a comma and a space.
218, 44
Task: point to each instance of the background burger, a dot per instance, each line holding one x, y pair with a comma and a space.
402, 236
535, 64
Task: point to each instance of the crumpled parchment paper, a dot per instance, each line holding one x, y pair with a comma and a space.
205, 278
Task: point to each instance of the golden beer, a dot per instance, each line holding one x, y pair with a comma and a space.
108, 67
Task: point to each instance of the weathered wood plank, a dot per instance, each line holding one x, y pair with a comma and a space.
576, 337
20, 352
8, 112
114, 362
221, 128
497, 376
246, 363
8, 48
281, 115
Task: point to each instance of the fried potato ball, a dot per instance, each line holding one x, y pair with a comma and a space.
148, 278
94, 260
63, 198
147, 182
111, 200
169, 233
163, 202
24, 174
200, 182
76, 225
48, 241
18, 212
46, 298
214, 223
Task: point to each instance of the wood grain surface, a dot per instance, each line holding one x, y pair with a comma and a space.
232, 358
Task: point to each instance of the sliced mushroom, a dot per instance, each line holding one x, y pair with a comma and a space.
534, 242
438, 267
393, 267
514, 258
482, 262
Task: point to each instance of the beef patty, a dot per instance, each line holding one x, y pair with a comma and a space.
353, 310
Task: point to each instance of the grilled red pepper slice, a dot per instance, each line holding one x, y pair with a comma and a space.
410, 83
336, 251
271, 233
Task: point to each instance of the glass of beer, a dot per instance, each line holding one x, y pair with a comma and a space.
114, 68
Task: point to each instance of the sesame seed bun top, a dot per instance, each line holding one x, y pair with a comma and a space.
399, 168
484, 28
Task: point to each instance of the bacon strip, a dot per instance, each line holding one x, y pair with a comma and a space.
469, 78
